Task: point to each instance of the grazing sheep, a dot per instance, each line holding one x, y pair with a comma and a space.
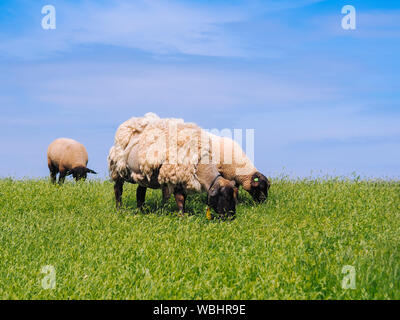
67, 156
234, 164
168, 154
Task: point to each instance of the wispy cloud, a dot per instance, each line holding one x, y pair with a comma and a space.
128, 86
159, 27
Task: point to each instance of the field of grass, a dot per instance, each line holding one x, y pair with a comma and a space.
293, 247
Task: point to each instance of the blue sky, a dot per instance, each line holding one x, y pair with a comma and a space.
322, 100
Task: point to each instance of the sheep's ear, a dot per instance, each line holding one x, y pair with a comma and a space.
90, 171
212, 197
214, 191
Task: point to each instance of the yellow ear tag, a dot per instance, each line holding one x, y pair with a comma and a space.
208, 214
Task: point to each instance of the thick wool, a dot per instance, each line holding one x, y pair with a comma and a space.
127, 135
231, 160
168, 148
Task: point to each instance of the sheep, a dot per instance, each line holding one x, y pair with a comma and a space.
67, 156
233, 164
168, 154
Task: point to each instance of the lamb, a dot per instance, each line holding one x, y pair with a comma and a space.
233, 164
67, 156
168, 154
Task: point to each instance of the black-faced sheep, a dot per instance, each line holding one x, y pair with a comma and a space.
233, 164
67, 156
169, 154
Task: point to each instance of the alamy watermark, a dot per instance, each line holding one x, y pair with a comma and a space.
49, 280
349, 20
49, 20
349, 280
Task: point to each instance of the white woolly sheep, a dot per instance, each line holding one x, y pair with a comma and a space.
67, 156
169, 154
233, 164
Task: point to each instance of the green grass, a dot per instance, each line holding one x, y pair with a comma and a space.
293, 247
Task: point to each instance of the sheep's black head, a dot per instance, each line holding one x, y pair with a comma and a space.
259, 187
81, 173
222, 197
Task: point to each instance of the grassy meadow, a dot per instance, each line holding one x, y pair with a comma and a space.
292, 247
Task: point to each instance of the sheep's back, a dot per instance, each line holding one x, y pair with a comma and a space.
173, 150
132, 127
141, 152
230, 158
67, 153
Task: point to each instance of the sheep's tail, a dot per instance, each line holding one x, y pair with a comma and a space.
116, 166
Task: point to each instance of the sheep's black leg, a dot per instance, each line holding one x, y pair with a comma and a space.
53, 174
62, 176
180, 198
140, 196
165, 195
53, 177
118, 188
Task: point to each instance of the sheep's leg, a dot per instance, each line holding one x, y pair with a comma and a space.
140, 196
180, 198
165, 195
53, 177
62, 176
53, 174
118, 188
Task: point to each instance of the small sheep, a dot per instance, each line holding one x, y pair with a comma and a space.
167, 154
234, 164
67, 156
